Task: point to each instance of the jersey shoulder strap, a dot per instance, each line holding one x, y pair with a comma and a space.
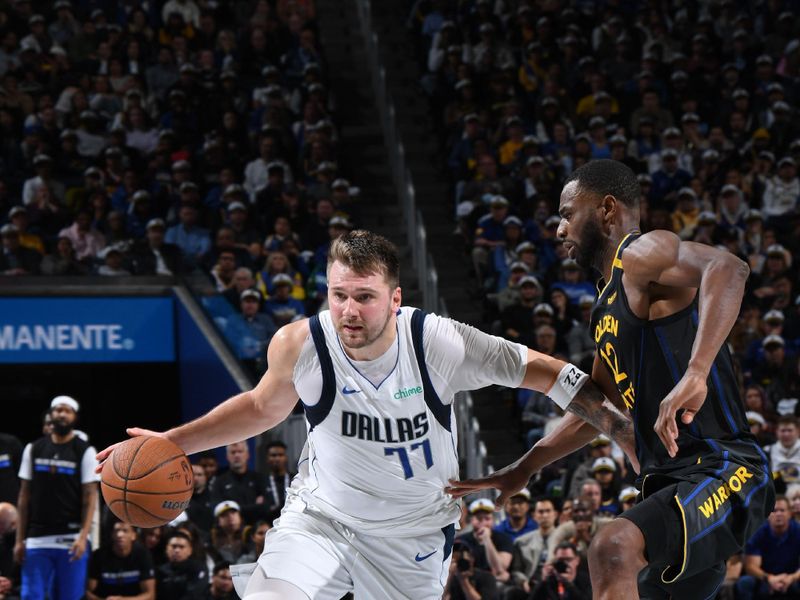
435, 404
317, 412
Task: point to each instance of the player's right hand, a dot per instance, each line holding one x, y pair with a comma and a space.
509, 480
131, 431
19, 552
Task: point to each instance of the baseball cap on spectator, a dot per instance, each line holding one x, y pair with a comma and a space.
92, 172
628, 494
776, 250
140, 195
498, 200
775, 87
644, 178
534, 160
67, 401
671, 132
601, 440
795, 145
512, 220
753, 215
525, 247
786, 406
233, 188
740, 93
17, 210
282, 279
339, 221
596, 122
781, 106
165, 133
530, 140
177, 94
786, 161
187, 186
690, 117
9, 230
669, 153
791, 47
602, 96
764, 59
515, 120
729, 188
523, 493
486, 28
552, 221
186, 68
617, 140
41, 159
460, 85
340, 183
570, 263
754, 417
481, 505
250, 294
156, 224
68, 133
583, 137
773, 340
543, 308
687, 192
62, 4
710, 155
181, 165
774, 316
766, 155
109, 250
35, 19
57, 50
604, 463
225, 506
549, 101
112, 151
518, 266
236, 206
325, 165
269, 70
707, 218
529, 279
586, 300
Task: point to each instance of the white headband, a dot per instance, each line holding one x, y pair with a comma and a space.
65, 400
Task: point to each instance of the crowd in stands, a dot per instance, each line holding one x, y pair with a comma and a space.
699, 100
172, 138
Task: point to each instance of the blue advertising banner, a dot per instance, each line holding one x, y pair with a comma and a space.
72, 330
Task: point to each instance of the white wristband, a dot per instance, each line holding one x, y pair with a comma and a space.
569, 382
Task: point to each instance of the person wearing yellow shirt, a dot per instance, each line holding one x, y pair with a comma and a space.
19, 217
509, 150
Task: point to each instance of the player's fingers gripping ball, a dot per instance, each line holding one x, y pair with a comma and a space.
147, 481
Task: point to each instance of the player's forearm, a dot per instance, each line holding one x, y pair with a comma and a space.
22, 511
593, 407
721, 291
87, 505
238, 418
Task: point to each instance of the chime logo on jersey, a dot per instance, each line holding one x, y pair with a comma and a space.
720, 496
387, 430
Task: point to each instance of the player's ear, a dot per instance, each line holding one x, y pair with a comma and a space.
608, 207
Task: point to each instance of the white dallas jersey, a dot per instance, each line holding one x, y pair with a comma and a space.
379, 455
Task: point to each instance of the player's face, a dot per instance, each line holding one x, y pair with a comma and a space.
362, 306
581, 227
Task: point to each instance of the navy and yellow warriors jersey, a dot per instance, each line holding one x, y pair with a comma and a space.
646, 359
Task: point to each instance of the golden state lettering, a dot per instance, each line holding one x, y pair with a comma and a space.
607, 324
716, 499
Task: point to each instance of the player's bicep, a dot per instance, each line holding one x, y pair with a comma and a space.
275, 392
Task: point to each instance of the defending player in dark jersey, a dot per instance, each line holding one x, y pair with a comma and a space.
660, 322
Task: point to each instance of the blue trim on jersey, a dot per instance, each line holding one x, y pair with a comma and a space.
724, 464
435, 404
673, 367
712, 527
637, 435
364, 377
697, 490
4, 464
449, 532
316, 414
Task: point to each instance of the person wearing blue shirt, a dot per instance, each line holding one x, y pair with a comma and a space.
193, 240
772, 558
519, 521
281, 306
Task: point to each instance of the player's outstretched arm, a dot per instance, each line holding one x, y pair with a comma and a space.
660, 257
247, 414
589, 411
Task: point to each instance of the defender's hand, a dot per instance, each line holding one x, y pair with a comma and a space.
509, 480
133, 432
689, 395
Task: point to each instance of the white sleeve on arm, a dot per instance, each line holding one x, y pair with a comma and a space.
88, 464
26, 465
461, 357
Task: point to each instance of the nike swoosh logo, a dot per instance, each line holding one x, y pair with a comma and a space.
346, 391
419, 558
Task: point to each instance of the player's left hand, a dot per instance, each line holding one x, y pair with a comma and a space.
689, 395
509, 480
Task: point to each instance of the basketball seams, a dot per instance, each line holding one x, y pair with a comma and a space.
169, 493
155, 467
141, 508
130, 466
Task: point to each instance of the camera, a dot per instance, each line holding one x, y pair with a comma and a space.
560, 566
463, 564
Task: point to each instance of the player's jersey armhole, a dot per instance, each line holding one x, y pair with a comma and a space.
316, 413
440, 410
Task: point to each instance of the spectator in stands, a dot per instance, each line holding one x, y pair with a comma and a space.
16, 259
259, 324
113, 258
772, 557
153, 256
223, 270
201, 506
489, 234
221, 586
278, 476
604, 471
180, 576
784, 455
18, 216
599, 447
491, 550
518, 520
579, 338
516, 320
255, 535
466, 580
63, 261
781, 192
193, 240
281, 306
9, 572
793, 496
123, 568
564, 578
530, 549
581, 528
242, 280
227, 541
239, 483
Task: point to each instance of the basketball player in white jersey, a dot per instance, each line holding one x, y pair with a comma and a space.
367, 511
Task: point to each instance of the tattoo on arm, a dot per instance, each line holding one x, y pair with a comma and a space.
593, 407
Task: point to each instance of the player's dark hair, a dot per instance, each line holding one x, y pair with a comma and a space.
609, 178
366, 253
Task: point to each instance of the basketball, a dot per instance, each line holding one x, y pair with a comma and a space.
147, 481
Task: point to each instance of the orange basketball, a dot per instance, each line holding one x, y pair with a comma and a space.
147, 481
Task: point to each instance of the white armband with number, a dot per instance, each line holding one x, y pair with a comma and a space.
569, 382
